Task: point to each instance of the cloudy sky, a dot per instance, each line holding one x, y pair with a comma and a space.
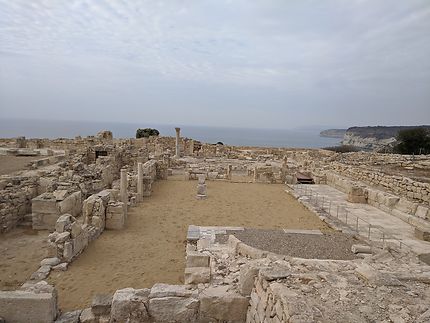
266, 64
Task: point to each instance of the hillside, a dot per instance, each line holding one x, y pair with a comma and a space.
374, 138
333, 133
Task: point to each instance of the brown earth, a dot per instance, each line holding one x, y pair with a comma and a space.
11, 164
21, 251
151, 248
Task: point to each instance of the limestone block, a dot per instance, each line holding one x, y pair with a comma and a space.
254, 253
232, 244
197, 275
97, 222
422, 212
197, 259
115, 216
422, 234
62, 237
76, 229
68, 251
217, 303
101, 304
80, 243
361, 249
87, 316
248, 273
41, 205
50, 262
174, 309
63, 221
27, 306
69, 317
201, 189
164, 290
129, 305
71, 204
61, 267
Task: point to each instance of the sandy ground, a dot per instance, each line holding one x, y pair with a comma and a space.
21, 251
152, 246
11, 164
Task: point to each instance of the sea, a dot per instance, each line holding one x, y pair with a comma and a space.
305, 137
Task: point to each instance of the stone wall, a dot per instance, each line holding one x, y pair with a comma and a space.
16, 193
417, 214
399, 185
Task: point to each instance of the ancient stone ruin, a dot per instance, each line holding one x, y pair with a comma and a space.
366, 260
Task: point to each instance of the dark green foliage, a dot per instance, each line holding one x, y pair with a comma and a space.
343, 149
413, 141
147, 132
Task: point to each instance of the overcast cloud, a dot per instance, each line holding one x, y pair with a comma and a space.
243, 63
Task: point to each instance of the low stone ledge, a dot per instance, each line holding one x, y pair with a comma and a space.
37, 303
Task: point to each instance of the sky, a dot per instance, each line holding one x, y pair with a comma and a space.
252, 64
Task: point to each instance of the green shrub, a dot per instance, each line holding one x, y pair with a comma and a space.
146, 133
413, 141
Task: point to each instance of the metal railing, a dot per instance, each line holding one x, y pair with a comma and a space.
341, 213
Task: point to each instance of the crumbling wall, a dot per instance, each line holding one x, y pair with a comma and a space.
16, 193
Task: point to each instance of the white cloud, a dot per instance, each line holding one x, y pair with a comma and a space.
270, 47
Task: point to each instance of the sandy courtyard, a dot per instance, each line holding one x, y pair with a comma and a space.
21, 251
151, 248
11, 164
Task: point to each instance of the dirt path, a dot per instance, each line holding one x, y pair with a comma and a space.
151, 247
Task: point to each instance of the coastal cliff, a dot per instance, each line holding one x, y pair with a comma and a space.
374, 138
333, 133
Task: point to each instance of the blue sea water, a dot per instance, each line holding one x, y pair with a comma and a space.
297, 138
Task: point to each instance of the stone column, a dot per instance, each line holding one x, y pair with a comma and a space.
178, 137
139, 182
123, 186
191, 147
147, 186
201, 187
229, 169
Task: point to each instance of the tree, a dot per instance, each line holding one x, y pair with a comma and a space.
413, 141
147, 132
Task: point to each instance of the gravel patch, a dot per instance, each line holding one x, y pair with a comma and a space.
330, 245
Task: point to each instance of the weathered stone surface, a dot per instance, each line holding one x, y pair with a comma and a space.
69, 317
164, 290
174, 309
216, 303
248, 273
26, 306
50, 262
197, 259
61, 267
361, 249
130, 305
422, 234
62, 237
87, 316
101, 304
197, 275
115, 216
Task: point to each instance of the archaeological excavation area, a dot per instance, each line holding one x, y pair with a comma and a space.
170, 229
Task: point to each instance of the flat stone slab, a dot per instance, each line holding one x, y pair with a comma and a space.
299, 231
193, 233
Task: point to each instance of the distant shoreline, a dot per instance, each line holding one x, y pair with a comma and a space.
308, 138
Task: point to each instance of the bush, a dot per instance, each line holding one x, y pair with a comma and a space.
343, 149
146, 133
413, 141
